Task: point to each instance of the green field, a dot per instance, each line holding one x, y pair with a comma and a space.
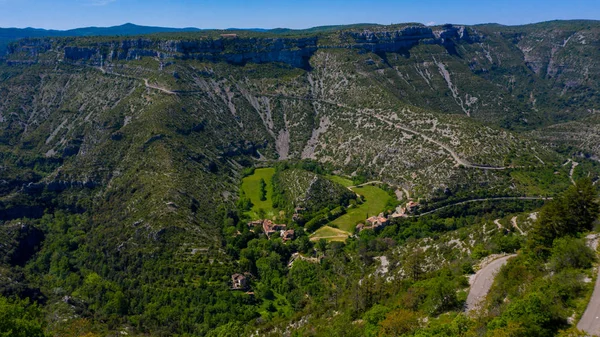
375, 201
342, 181
329, 234
251, 189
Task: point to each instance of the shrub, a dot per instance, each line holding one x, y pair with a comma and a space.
479, 252
570, 253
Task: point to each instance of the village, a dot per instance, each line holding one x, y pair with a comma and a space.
274, 230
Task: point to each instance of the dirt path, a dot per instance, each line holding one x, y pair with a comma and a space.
407, 193
497, 222
166, 91
459, 161
482, 283
515, 225
573, 166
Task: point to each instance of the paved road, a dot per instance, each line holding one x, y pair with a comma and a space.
482, 282
590, 321
457, 159
481, 200
454, 155
374, 182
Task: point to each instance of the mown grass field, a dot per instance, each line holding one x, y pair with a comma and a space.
375, 201
251, 189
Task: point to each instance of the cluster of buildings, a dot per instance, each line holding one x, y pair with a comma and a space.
380, 221
270, 228
374, 222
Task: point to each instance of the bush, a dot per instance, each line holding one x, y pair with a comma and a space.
570, 253
479, 252
467, 268
263, 190
399, 322
507, 243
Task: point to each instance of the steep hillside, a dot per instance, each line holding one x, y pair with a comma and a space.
311, 191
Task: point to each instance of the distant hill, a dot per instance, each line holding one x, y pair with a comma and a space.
8, 35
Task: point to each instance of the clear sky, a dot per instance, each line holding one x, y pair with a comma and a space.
66, 14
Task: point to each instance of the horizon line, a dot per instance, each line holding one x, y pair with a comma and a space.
432, 24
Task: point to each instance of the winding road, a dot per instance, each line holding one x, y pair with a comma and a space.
590, 321
374, 182
482, 283
480, 200
457, 159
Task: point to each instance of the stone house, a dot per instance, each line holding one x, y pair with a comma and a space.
288, 235
374, 222
239, 282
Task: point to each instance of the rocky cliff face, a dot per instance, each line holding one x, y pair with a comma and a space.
292, 51
396, 40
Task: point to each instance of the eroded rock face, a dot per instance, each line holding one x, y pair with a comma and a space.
408, 37
292, 51
75, 53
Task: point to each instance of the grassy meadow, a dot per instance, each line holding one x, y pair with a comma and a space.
251, 189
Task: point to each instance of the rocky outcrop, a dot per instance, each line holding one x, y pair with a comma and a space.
408, 37
30, 48
76, 53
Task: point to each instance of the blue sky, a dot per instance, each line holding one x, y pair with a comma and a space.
66, 14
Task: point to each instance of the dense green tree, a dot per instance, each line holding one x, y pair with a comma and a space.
263, 190
571, 253
571, 213
20, 319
